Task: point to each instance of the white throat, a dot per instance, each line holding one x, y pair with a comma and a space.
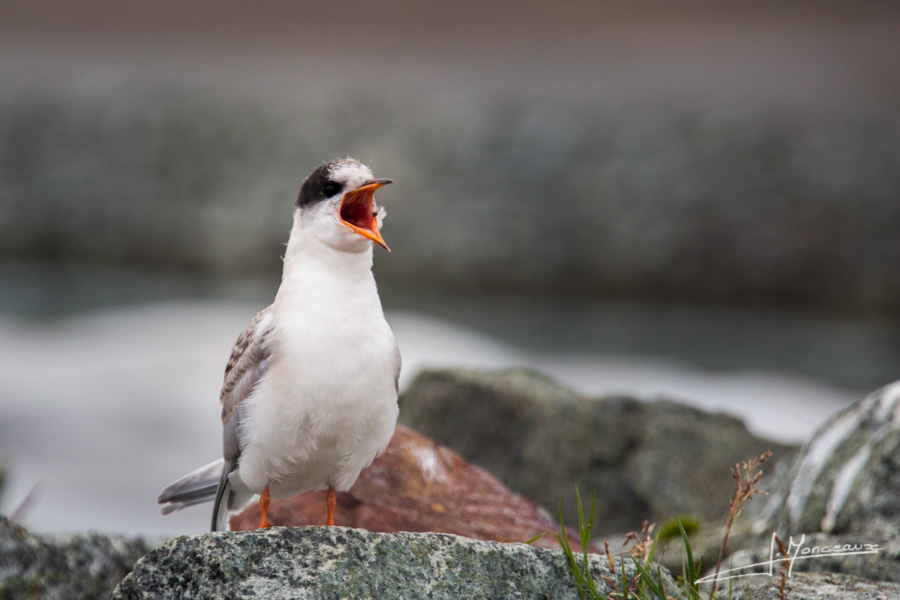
313, 267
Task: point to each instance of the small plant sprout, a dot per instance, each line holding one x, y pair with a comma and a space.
584, 582
647, 582
644, 584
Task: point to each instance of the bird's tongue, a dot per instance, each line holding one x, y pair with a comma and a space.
357, 208
357, 213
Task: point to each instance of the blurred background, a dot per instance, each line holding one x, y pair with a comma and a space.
693, 200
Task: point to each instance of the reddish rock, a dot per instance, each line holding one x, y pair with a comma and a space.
419, 485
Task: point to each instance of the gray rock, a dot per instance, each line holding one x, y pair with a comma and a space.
816, 586
645, 460
338, 562
846, 478
843, 488
882, 563
70, 567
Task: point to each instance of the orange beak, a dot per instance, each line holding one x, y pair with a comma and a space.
358, 211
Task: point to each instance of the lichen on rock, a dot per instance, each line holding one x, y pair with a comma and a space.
69, 567
338, 562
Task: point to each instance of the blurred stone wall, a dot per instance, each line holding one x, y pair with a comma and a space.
492, 191
623, 165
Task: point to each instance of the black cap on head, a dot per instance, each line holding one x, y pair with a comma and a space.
318, 186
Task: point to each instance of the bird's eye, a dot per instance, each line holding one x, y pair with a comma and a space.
331, 188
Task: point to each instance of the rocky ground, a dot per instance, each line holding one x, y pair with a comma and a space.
815, 586
834, 504
350, 563
70, 567
842, 489
839, 490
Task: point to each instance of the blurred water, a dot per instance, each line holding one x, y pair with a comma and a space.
109, 378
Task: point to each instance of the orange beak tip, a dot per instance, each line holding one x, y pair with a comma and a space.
376, 237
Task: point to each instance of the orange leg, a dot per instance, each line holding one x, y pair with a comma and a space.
330, 501
264, 500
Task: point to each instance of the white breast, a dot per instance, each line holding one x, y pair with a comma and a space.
327, 405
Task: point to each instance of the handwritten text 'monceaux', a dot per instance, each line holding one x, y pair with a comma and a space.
796, 551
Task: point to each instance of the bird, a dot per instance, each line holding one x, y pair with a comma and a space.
309, 397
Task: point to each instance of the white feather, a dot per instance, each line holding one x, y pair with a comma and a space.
327, 405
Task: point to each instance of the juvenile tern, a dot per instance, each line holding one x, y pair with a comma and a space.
310, 391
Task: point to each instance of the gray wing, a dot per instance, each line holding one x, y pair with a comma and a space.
247, 364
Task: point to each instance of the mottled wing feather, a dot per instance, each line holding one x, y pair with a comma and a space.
247, 364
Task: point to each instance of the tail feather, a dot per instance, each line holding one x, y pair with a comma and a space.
194, 488
171, 507
221, 492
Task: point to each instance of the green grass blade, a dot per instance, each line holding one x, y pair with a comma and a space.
587, 589
625, 585
652, 552
690, 572
655, 587
536, 538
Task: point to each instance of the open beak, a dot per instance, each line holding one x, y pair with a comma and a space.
358, 211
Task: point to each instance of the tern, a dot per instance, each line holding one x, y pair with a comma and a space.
310, 392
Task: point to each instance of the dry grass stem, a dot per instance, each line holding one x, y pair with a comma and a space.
643, 542
612, 568
746, 475
781, 585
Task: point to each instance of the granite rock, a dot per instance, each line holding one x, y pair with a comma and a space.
816, 586
843, 488
338, 562
875, 558
846, 478
68, 567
